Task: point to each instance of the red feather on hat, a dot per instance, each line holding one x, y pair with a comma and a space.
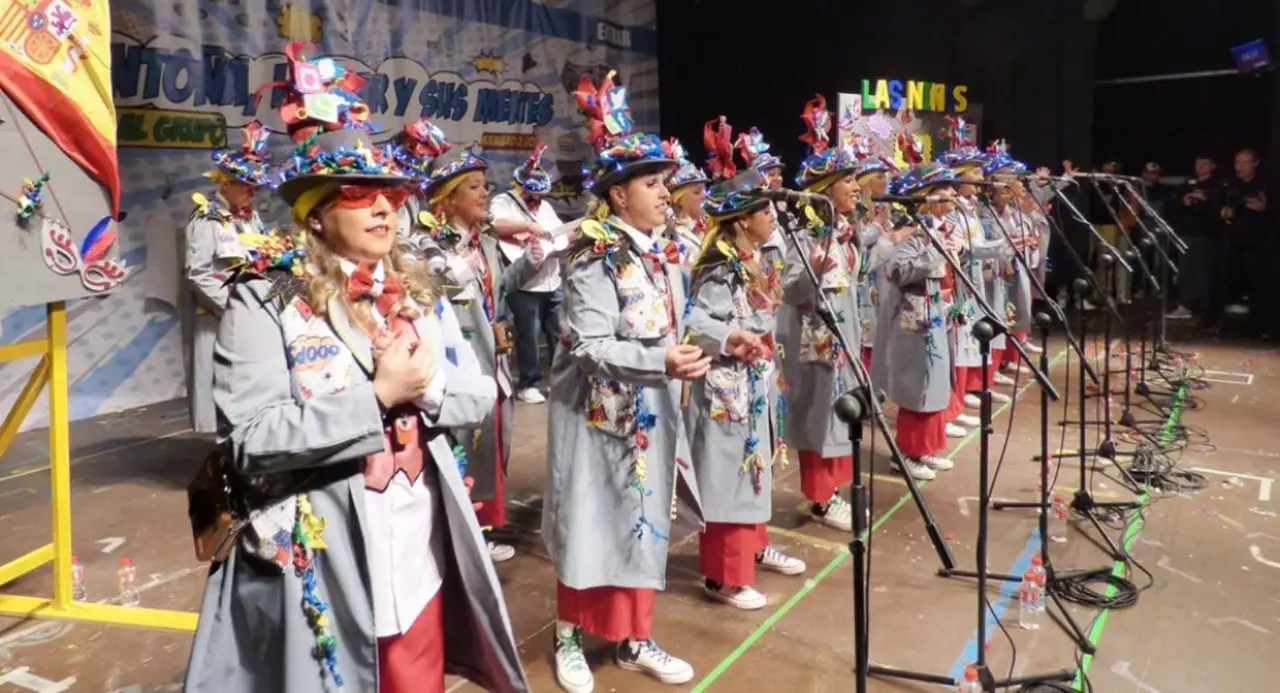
717, 138
817, 120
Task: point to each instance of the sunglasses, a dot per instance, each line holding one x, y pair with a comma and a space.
361, 196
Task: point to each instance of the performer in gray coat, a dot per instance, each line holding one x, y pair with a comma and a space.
618, 453
732, 316
687, 222
876, 235
814, 365
458, 223
212, 246
913, 353
337, 370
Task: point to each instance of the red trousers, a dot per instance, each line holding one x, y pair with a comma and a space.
1011, 356
413, 662
866, 357
493, 513
820, 476
956, 406
727, 552
921, 434
974, 379
610, 613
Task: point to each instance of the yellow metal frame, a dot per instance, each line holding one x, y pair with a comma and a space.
52, 370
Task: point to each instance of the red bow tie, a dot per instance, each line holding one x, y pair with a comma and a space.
244, 213
360, 287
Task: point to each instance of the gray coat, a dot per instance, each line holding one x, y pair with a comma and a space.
979, 259
999, 271
609, 503
1019, 287
310, 434
481, 443
912, 357
211, 249
813, 365
875, 251
775, 254
730, 411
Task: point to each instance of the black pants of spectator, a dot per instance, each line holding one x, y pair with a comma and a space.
1241, 267
1198, 272
537, 314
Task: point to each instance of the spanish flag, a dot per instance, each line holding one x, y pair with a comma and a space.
55, 64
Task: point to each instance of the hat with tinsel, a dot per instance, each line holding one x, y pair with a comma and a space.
531, 175
963, 154
998, 160
417, 145
824, 164
620, 153
685, 173
449, 166
330, 128
755, 151
248, 164
740, 194
927, 178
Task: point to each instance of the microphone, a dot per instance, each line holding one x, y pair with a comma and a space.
784, 195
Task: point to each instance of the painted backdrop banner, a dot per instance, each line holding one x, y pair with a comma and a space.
493, 74
881, 119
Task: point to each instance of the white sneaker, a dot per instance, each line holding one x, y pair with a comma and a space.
967, 420
971, 401
1179, 313
646, 657
1031, 349
745, 598
1089, 305
918, 470
940, 464
501, 553
531, 395
837, 515
572, 671
1236, 309
1000, 397
954, 431
778, 562
1001, 379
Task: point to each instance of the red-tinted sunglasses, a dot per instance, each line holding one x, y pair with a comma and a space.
355, 196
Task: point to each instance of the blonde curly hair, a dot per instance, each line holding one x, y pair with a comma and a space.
326, 280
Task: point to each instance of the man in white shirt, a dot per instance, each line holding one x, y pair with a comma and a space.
520, 215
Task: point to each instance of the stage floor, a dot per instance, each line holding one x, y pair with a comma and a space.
1214, 555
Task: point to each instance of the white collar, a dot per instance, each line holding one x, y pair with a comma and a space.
644, 242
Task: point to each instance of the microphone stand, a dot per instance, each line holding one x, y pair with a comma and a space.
852, 408
1053, 578
827, 315
985, 329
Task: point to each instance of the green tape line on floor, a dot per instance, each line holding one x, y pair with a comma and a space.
1130, 536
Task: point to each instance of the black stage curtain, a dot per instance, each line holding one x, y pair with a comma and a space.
1174, 121
1030, 65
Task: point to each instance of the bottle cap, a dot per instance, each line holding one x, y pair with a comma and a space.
970, 674
126, 561
1029, 575
75, 558
1037, 561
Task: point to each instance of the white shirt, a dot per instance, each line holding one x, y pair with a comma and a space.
404, 527
509, 205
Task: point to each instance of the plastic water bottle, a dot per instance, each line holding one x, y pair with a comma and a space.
1058, 520
1028, 598
1037, 569
127, 579
970, 683
78, 592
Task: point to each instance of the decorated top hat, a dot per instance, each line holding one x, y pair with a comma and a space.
963, 154
741, 194
755, 151
869, 163
685, 173
921, 177
449, 166
531, 175
824, 164
998, 160
330, 128
247, 165
417, 146
620, 153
